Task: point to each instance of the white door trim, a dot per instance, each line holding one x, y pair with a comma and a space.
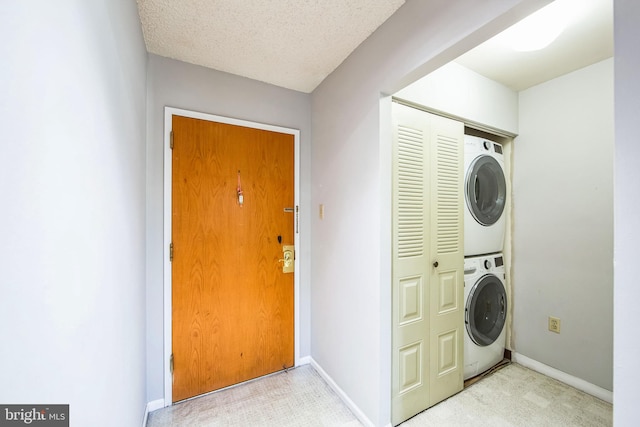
169, 112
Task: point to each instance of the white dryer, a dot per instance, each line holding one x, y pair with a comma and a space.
485, 313
485, 190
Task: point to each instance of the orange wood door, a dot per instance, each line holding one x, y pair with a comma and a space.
232, 306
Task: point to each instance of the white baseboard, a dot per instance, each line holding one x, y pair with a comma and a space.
575, 382
151, 406
304, 360
342, 395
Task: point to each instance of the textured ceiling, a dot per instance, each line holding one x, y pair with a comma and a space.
290, 43
587, 39
296, 43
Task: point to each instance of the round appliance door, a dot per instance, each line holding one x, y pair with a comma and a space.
486, 190
486, 310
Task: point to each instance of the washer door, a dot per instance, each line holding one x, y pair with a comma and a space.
486, 190
486, 310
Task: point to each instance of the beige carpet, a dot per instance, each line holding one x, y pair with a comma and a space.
512, 396
299, 397
515, 396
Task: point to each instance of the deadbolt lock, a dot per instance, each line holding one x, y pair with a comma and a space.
288, 257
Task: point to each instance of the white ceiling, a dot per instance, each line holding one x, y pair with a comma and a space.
297, 43
290, 43
587, 39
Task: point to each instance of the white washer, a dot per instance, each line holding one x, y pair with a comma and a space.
485, 313
485, 191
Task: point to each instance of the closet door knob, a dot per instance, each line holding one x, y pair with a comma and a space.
435, 264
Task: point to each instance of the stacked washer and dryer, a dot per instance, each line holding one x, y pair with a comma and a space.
485, 295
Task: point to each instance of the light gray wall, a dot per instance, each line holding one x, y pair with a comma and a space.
626, 208
351, 246
72, 184
456, 90
563, 223
181, 85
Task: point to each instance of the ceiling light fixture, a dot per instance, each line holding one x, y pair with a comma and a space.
539, 29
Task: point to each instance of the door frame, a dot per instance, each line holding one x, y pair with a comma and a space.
169, 112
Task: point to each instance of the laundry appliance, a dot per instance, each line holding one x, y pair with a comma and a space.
485, 190
485, 313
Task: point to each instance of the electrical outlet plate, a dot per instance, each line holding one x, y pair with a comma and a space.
554, 324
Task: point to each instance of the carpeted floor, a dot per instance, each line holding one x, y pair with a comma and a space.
513, 396
299, 397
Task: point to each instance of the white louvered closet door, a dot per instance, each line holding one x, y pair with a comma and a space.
428, 314
447, 250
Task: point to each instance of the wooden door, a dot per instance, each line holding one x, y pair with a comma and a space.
232, 305
428, 261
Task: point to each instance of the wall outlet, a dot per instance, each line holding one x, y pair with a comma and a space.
554, 324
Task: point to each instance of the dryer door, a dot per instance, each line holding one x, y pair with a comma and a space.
486, 310
485, 190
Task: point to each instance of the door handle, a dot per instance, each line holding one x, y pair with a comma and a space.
435, 264
288, 257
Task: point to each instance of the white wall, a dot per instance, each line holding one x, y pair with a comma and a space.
72, 173
181, 85
351, 246
457, 90
626, 208
563, 223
